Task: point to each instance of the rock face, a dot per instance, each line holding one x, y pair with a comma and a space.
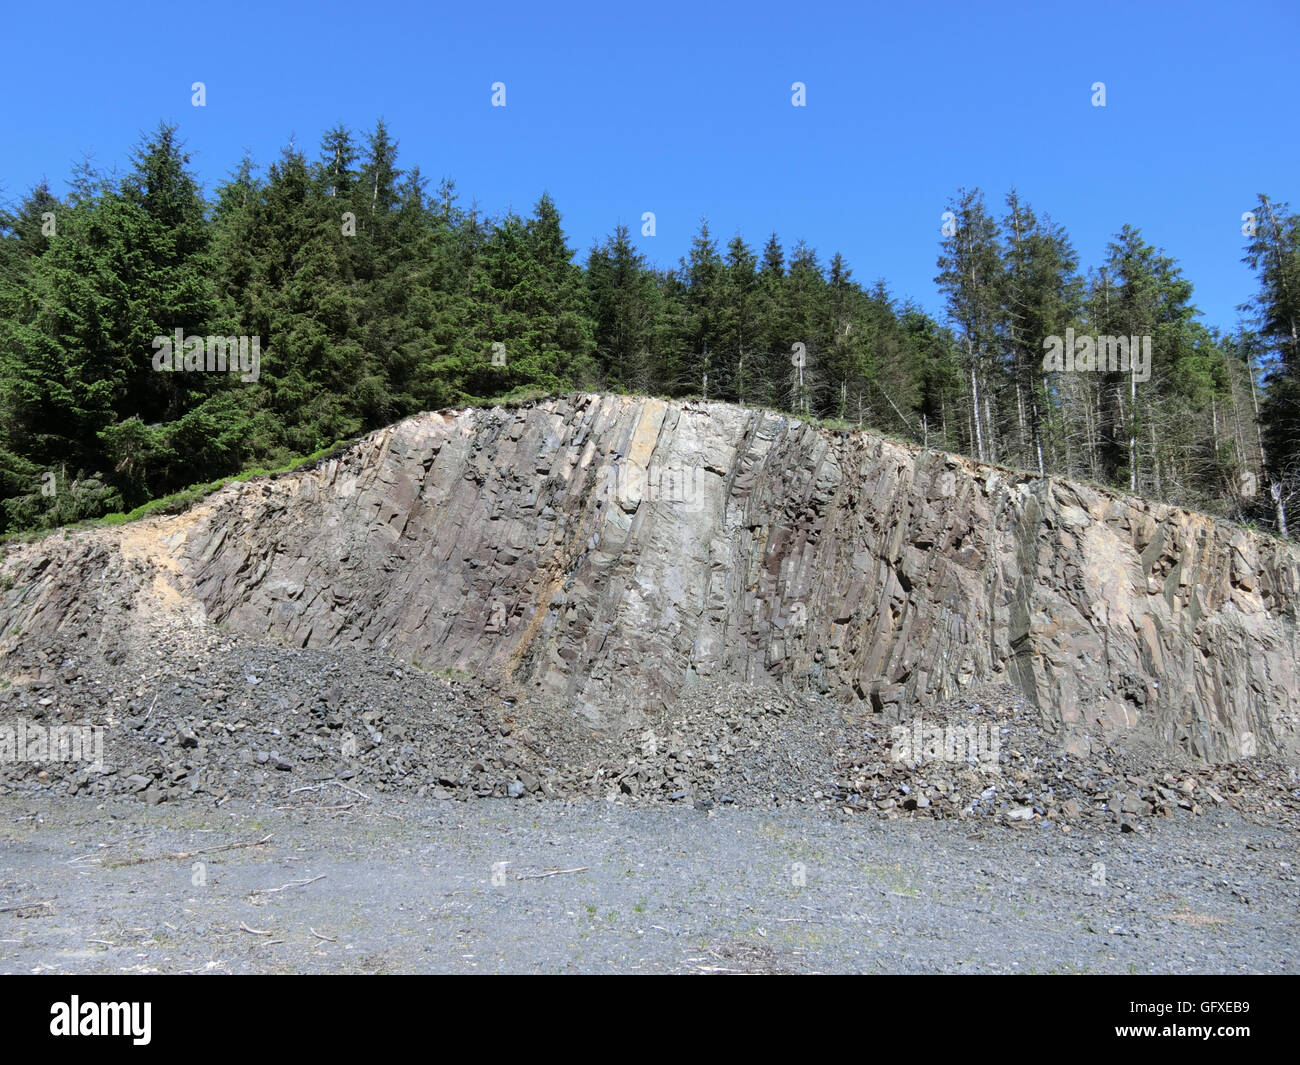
611, 552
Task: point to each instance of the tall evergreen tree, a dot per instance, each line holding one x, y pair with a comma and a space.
623, 298
971, 275
1042, 298
807, 323
1274, 254
702, 312
1139, 293
738, 365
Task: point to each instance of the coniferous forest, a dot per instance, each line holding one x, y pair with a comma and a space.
373, 294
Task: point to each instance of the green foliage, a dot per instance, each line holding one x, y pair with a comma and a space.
372, 297
1274, 254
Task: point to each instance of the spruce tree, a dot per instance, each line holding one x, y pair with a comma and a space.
624, 301
1274, 254
971, 276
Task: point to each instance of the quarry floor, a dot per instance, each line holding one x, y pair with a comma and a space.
117, 886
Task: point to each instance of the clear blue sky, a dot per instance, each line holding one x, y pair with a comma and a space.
684, 110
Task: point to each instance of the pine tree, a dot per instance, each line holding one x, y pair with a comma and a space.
843, 362
971, 276
806, 319
701, 326
1274, 254
739, 368
526, 300
1139, 293
304, 305
126, 265
1042, 296
624, 303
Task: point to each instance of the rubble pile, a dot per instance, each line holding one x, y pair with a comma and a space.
217, 716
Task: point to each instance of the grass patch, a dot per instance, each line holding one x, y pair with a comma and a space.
186, 497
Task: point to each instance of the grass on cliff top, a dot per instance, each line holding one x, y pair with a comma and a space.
184, 498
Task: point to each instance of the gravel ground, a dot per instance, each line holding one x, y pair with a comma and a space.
269, 809
415, 885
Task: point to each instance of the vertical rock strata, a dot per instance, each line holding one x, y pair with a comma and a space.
611, 552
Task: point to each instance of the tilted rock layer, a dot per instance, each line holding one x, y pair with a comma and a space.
610, 552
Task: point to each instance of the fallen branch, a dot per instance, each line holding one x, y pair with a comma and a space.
323, 809
317, 787
28, 906
551, 872
355, 791
91, 856
254, 931
182, 855
319, 936
283, 887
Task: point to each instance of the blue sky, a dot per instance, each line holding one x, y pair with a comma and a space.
685, 110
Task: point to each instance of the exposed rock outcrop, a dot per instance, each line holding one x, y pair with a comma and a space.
610, 552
